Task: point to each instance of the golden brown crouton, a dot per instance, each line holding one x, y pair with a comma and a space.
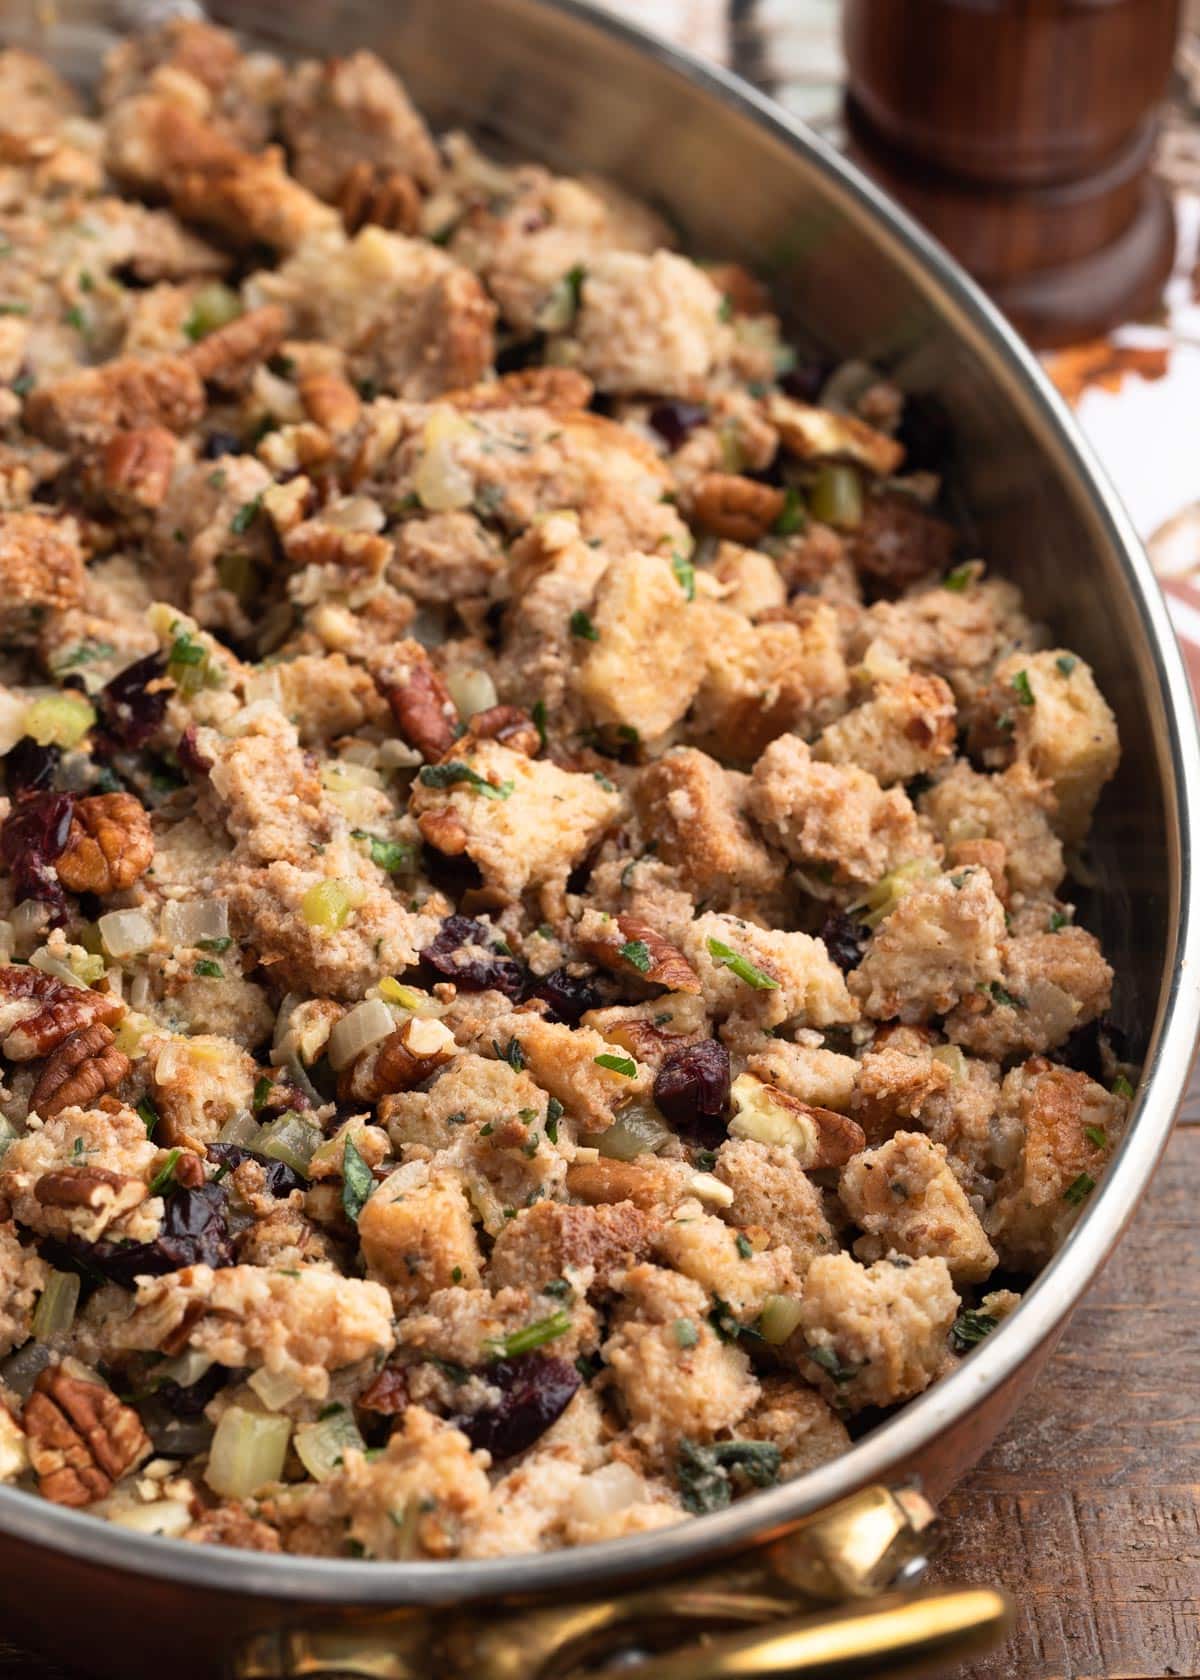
418, 1236
84, 1173
870, 1336
647, 323
897, 1076
804, 1427
692, 811
550, 1239
1063, 728
723, 1261
941, 942
1069, 1129
1051, 983
574, 1065
41, 571
906, 1200
350, 111
199, 1085
905, 729
84, 409
22, 1278
643, 658
834, 818
757, 978
1013, 807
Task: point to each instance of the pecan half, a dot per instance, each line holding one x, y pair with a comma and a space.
135, 467
38, 1011
95, 1188
228, 356
735, 507
373, 193
633, 946
534, 387
506, 724
83, 1067
110, 845
404, 1060
425, 714
82, 1439
330, 401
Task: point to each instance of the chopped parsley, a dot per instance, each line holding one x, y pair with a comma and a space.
1096, 1136
685, 574
998, 994
538, 714
969, 1329
706, 1474
1056, 921
1079, 1189
793, 517
744, 1246
958, 578
245, 516
1020, 686
637, 954
832, 1365
262, 1091
534, 1335
217, 945
148, 1114
391, 855
446, 775
726, 957
1121, 1087
511, 1053
358, 1181
624, 1065
206, 969
74, 317
554, 1113
84, 654
1066, 663
165, 1176
581, 625
14, 308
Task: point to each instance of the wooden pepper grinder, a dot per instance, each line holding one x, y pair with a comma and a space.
1021, 133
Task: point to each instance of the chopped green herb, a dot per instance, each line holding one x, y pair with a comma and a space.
1121, 1087
245, 516
358, 1181
725, 957
14, 308
22, 385
1057, 920
608, 786
511, 1053
1020, 686
1066, 663
706, 1159
149, 1115
263, 1087
538, 714
84, 654
832, 1365
186, 651
165, 1176
457, 1374
1079, 1189
206, 969
1096, 1136
581, 625
793, 517
706, 1474
637, 954
456, 1275
554, 1113
217, 945
969, 1328
725, 308
391, 855
723, 1320
446, 775
86, 283
624, 1065
532, 1336
957, 578
1005, 999
744, 1246
686, 1333
685, 575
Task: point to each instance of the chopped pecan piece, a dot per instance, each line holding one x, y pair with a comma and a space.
533, 387
228, 356
444, 831
135, 467
507, 724
363, 553
110, 845
747, 295
387, 197
425, 714
330, 401
819, 1137
82, 1439
38, 1011
631, 945
404, 1060
388, 1394
735, 507
128, 394
82, 1068
94, 1188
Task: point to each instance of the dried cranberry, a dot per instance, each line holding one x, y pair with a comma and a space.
31, 768
676, 421
281, 1179
806, 378
189, 755
33, 835
194, 1232
191, 1401
130, 710
220, 443
570, 996
691, 1089
536, 1392
465, 952
845, 939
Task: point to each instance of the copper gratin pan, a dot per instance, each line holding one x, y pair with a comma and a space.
736, 1592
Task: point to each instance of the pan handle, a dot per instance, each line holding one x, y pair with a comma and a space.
756, 1617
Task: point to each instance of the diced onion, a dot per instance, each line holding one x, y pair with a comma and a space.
440, 482
185, 1369
213, 305
638, 1129
321, 1446
952, 1057
55, 1312
276, 1389
243, 1130
133, 1028
343, 775
7, 1134
55, 966
189, 922
354, 513
358, 1030
780, 1316
126, 933
161, 1516
29, 917
612, 1488
8, 941
472, 691
291, 1139
247, 1452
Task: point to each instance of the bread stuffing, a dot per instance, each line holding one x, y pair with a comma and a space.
540, 991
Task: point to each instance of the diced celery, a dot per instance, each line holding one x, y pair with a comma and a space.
952, 1057
837, 495
321, 1446
327, 905
291, 1139
639, 1129
60, 720
213, 306
780, 1316
247, 1452
55, 1312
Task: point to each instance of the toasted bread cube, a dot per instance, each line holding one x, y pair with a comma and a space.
643, 668
1064, 730
878, 1332
418, 1235
906, 1200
